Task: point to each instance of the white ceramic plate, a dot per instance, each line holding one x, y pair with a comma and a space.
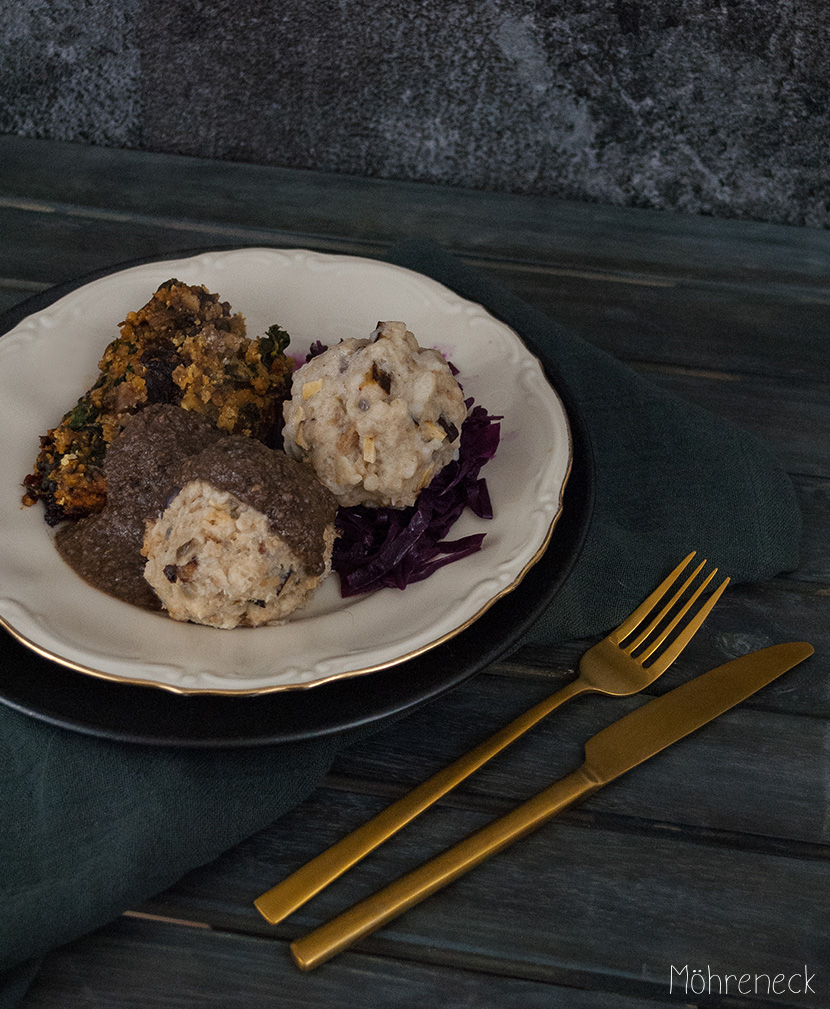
50, 359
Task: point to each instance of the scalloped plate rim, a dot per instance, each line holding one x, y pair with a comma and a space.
450, 303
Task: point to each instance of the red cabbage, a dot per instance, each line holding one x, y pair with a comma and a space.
318, 347
393, 547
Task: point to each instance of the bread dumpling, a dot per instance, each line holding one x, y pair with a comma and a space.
245, 537
376, 419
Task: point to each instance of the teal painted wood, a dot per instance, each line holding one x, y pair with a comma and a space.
746, 618
776, 330
750, 771
197, 967
43, 246
715, 850
814, 498
793, 418
773, 330
502, 225
594, 903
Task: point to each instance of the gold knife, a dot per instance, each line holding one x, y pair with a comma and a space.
609, 754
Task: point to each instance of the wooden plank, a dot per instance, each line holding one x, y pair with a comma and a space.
775, 330
143, 965
726, 784
509, 226
746, 618
793, 420
772, 331
814, 499
679, 321
51, 247
755, 616
566, 904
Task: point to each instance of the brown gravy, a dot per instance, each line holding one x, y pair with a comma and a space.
105, 549
163, 447
298, 507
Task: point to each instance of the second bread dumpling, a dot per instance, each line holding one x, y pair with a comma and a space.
376, 419
245, 538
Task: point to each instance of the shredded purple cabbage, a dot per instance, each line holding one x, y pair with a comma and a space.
317, 348
393, 547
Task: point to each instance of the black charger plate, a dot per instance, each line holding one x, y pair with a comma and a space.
149, 715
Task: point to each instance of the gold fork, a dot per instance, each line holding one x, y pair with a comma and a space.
609, 668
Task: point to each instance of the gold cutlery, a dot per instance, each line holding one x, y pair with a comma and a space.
610, 753
608, 668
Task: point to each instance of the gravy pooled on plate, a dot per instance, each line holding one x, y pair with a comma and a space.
105, 548
245, 538
232, 533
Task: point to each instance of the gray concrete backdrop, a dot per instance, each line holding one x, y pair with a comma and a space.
704, 106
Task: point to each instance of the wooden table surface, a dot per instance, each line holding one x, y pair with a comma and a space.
713, 857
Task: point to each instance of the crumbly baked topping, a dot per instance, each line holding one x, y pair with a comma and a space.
184, 347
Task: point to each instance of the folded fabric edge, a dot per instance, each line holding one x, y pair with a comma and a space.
776, 498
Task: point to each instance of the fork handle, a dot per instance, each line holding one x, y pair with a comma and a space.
284, 898
316, 947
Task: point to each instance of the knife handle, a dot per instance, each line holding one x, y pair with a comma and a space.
363, 918
292, 892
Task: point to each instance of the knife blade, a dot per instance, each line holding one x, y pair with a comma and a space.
612, 752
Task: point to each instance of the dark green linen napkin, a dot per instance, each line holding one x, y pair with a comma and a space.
89, 828
669, 476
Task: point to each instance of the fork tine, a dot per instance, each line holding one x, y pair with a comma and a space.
662, 662
661, 637
655, 623
632, 622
